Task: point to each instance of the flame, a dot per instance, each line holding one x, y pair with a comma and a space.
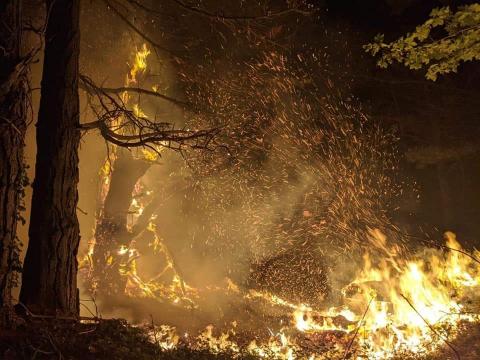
407, 304
164, 336
279, 346
220, 344
395, 304
139, 64
177, 291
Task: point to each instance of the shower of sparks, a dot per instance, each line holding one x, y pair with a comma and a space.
301, 181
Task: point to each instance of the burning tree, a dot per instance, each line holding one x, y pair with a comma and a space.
301, 168
122, 114
50, 270
123, 123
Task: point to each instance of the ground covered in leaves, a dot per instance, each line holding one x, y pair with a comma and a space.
116, 339
107, 339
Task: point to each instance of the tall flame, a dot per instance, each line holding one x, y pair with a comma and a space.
394, 305
408, 305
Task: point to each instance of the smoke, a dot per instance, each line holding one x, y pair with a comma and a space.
298, 175
295, 185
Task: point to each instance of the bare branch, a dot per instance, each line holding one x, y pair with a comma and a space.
221, 16
119, 90
161, 138
122, 127
138, 31
218, 16
457, 355
359, 325
147, 9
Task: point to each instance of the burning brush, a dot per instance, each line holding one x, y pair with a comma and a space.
396, 306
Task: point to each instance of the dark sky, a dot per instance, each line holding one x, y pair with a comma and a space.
435, 120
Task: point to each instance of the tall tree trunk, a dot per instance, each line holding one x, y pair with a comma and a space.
49, 284
12, 134
111, 231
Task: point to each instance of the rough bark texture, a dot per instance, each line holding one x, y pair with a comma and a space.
12, 133
111, 231
49, 284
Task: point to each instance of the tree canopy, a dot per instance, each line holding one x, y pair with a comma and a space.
439, 45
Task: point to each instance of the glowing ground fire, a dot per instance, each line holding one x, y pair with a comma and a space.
396, 303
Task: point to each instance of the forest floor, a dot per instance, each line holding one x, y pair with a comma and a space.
117, 340
108, 339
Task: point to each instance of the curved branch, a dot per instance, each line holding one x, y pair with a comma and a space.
88, 85
206, 13
119, 90
138, 31
91, 125
162, 138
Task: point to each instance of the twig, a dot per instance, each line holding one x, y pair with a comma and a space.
88, 309
217, 16
12, 125
357, 330
82, 211
49, 337
138, 90
431, 243
37, 350
56, 317
457, 355
137, 30
154, 330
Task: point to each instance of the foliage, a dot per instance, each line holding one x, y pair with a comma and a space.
439, 45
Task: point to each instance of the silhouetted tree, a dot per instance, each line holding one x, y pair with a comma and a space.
49, 284
13, 69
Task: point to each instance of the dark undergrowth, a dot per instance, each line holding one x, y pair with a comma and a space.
108, 339
115, 339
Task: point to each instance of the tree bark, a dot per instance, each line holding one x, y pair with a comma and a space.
13, 77
49, 284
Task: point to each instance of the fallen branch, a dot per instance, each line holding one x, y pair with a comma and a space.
32, 315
